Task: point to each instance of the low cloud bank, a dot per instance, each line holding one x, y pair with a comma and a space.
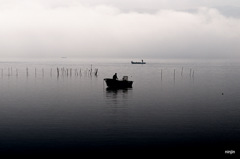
77, 30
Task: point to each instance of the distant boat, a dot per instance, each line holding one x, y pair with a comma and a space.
111, 83
138, 62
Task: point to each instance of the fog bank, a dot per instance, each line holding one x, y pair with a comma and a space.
97, 31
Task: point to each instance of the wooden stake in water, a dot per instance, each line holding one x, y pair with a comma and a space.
27, 71
42, 72
190, 72
161, 74
62, 71
96, 72
91, 70
75, 72
182, 72
57, 72
174, 75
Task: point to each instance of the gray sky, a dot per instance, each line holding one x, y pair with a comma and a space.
120, 28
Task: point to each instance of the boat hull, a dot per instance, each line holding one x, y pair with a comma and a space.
111, 83
138, 62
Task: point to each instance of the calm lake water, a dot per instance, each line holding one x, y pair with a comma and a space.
196, 109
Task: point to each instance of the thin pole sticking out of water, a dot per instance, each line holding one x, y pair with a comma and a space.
182, 72
63, 71
57, 72
27, 71
193, 74
190, 72
103, 84
91, 70
42, 72
161, 74
76, 72
174, 75
16, 72
96, 71
51, 72
2, 72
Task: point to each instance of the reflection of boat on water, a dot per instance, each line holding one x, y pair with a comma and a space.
111, 83
118, 97
109, 89
138, 62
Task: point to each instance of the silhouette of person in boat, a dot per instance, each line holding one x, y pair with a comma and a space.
115, 76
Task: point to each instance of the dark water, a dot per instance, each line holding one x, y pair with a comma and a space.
194, 110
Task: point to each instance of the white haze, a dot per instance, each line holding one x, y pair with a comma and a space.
34, 29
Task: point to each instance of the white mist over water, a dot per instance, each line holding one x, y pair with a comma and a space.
47, 29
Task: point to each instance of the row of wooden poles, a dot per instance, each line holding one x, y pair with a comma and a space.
191, 73
68, 72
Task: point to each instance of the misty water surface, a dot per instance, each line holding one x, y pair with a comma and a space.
198, 105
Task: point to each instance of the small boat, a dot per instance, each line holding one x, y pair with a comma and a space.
138, 62
111, 83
